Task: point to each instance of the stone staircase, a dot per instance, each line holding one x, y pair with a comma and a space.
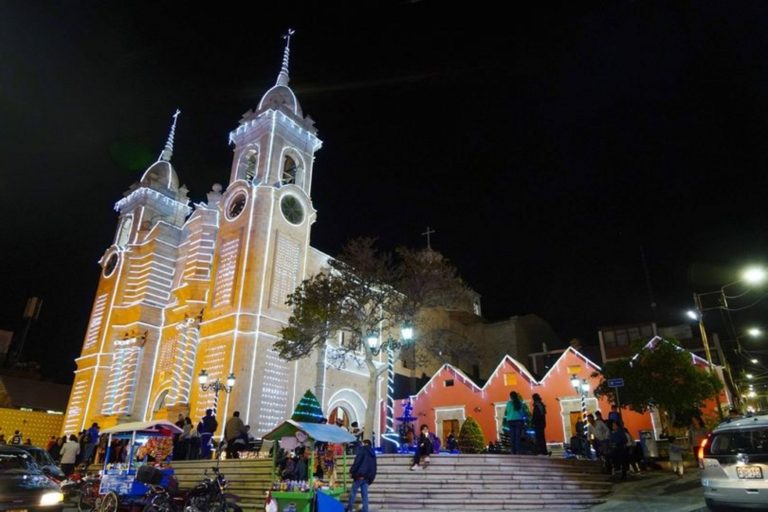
248, 479
451, 482
487, 482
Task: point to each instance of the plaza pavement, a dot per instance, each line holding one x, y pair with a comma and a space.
654, 491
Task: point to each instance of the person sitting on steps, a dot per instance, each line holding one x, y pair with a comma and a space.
423, 449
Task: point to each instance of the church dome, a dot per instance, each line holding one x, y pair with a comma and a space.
162, 177
281, 97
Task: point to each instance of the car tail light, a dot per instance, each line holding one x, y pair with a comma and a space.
700, 454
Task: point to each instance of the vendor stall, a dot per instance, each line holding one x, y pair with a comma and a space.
313, 441
146, 443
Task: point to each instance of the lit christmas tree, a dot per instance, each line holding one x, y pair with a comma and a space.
471, 438
308, 409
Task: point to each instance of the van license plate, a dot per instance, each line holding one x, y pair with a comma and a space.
749, 472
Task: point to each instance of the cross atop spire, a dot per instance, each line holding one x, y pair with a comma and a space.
167, 152
282, 78
428, 233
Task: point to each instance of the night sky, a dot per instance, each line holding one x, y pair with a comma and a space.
545, 148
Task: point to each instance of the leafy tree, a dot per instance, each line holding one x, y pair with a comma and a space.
662, 376
362, 290
471, 438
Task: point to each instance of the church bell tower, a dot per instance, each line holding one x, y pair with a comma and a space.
263, 242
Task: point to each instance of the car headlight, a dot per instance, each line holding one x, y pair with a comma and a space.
51, 498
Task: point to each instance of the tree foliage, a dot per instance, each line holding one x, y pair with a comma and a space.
362, 290
471, 438
661, 376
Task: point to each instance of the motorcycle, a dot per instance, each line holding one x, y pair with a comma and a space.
83, 490
207, 496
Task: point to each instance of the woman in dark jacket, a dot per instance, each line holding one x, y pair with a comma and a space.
539, 421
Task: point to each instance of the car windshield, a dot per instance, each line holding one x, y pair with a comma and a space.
754, 441
41, 456
15, 462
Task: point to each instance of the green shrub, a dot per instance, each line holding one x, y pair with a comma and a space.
471, 438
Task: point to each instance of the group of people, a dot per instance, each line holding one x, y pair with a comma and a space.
16, 439
194, 441
518, 417
611, 440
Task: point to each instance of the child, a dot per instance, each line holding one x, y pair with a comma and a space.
676, 457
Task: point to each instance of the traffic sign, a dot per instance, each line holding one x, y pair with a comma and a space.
615, 383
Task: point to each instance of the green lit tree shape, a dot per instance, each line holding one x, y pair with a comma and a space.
308, 409
471, 438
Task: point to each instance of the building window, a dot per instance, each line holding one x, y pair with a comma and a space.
289, 171
510, 379
448, 383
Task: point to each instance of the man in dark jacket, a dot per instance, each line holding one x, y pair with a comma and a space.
206, 428
363, 473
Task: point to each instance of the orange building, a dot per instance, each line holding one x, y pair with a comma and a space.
451, 396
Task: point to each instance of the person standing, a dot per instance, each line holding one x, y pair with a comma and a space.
69, 452
618, 455
539, 421
206, 428
17, 437
516, 416
363, 472
676, 457
600, 434
233, 430
91, 440
614, 415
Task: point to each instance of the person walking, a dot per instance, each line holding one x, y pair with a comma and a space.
69, 452
363, 472
516, 416
539, 421
423, 449
206, 428
234, 430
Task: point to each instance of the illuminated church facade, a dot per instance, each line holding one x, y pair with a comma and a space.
185, 288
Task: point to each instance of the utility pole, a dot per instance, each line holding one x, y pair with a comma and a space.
31, 314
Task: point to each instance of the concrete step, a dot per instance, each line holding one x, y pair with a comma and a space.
497, 486
467, 482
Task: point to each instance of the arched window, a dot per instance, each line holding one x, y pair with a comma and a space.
289, 171
247, 166
161, 401
125, 231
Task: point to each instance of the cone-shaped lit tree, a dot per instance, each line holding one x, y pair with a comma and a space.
308, 409
471, 438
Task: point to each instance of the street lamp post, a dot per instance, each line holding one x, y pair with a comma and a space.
582, 388
215, 386
390, 345
751, 276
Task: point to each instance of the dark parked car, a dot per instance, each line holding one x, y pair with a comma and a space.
23, 486
44, 460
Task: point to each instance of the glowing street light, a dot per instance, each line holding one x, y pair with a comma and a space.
692, 314
754, 332
390, 345
754, 275
753, 361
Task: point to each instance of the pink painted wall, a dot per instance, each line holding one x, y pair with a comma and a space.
479, 403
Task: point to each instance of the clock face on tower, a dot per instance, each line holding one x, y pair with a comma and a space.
292, 209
